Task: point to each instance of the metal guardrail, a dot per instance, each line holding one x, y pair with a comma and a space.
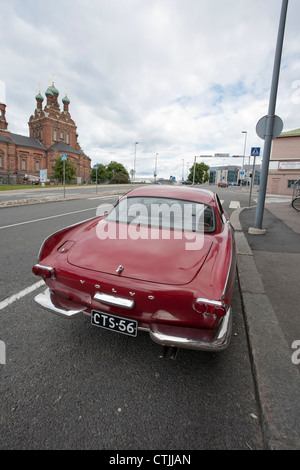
296, 196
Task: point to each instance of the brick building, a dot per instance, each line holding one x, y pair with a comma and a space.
52, 132
284, 167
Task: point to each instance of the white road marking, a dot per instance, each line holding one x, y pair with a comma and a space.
46, 218
50, 217
20, 294
275, 198
234, 205
101, 197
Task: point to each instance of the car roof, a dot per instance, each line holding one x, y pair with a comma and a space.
178, 192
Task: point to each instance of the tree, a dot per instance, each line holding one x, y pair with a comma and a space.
119, 178
58, 172
102, 174
201, 173
114, 172
115, 167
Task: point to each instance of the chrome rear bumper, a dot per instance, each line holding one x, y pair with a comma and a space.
68, 309
165, 335
192, 338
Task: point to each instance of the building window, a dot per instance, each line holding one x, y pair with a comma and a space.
290, 183
37, 166
67, 138
23, 164
1, 162
61, 135
54, 134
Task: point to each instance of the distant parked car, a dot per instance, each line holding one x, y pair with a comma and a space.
30, 179
222, 184
187, 182
162, 261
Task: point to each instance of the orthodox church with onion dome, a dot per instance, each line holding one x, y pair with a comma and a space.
52, 132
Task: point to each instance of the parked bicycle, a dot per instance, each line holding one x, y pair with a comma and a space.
296, 196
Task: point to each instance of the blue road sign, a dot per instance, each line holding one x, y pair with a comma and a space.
96, 166
64, 157
255, 151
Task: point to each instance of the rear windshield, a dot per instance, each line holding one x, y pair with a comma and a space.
165, 213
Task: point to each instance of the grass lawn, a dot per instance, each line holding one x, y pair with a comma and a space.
8, 187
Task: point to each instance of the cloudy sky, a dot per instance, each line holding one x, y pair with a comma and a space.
181, 77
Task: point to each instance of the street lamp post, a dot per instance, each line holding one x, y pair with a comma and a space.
194, 169
134, 159
183, 170
155, 168
246, 133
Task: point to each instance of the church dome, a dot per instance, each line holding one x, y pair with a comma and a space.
39, 97
54, 90
66, 100
48, 92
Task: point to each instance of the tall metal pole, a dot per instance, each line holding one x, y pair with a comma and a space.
270, 119
252, 180
245, 143
64, 177
134, 160
194, 170
155, 169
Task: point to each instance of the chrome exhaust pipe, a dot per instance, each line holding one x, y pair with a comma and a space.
169, 349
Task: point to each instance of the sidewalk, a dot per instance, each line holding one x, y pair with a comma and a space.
268, 268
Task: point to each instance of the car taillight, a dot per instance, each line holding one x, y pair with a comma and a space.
212, 307
43, 271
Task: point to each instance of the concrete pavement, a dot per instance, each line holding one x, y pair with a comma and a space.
268, 269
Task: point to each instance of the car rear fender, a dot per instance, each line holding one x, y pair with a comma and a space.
57, 238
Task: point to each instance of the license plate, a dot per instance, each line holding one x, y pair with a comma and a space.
114, 323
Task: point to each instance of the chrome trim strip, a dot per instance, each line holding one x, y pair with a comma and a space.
114, 300
44, 300
42, 266
231, 258
181, 340
217, 303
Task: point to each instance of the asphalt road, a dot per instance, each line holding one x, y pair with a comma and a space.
69, 385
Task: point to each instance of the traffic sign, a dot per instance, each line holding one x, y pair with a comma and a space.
96, 166
64, 157
242, 172
261, 127
255, 151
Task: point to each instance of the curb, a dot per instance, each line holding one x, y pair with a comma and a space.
276, 380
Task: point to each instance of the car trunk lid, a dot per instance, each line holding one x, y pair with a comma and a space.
144, 255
